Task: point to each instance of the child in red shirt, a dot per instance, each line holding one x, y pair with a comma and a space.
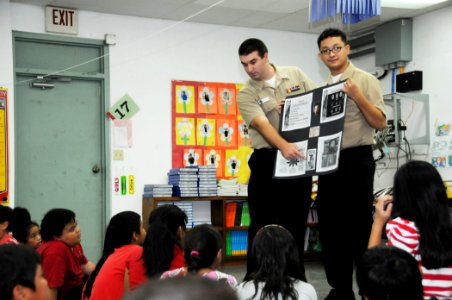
62, 258
120, 268
162, 248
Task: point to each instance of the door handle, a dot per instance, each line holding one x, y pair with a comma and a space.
95, 169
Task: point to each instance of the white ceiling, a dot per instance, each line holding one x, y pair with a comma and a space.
286, 15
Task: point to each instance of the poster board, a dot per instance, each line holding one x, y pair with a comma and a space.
315, 122
4, 164
207, 128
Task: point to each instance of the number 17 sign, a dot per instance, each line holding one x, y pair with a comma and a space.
123, 109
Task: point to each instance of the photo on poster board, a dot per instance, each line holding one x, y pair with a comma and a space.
314, 121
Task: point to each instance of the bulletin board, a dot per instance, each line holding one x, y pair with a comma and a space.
4, 167
207, 128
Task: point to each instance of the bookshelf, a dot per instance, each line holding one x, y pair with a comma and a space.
219, 217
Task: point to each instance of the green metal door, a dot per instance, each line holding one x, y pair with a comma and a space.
59, 138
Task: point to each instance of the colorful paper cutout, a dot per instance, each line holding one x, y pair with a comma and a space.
227, 103
226, 133
243, 137
185, 99
207, 99
192, 157
205, 132
185, 131
214, 157
232, 163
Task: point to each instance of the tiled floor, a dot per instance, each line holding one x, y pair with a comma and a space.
314, 273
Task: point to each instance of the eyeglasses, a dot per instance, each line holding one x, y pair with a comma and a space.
335, 49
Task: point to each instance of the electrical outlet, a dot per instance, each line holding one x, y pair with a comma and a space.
118, 154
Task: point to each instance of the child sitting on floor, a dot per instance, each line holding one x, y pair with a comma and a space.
162, 248
25, 230
120, 268
203, 254
62, 258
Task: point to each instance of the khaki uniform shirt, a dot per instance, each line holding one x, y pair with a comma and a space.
357, 132
258, 98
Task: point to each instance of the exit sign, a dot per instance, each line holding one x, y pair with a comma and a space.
61, 20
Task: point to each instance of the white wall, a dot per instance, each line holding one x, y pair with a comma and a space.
148, 56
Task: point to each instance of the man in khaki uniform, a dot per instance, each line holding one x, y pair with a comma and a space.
271, 201
344, 199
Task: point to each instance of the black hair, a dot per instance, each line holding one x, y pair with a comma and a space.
22, 224
251, 45
21, 216
54, 221
162, 237
22, 232
389, 273
18, 266
420, 196
6, 215
183, 288
331, 32
201, 247
119, 232
275, 254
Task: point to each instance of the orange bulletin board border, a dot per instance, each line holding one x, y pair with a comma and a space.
4, 161
206, 123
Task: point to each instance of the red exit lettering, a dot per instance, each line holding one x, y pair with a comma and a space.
62, 17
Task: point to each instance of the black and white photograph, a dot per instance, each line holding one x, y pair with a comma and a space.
328, 155
333, 103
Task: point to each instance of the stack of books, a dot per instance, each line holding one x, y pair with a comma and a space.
207, 184
158, 190
243, 190
228, 187
184, 181
236, 242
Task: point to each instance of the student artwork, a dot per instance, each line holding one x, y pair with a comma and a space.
227, 102
207, 100
243, 155
442, 129
185, 99
205, 132
215, 158
185, 131
226, 133
206, 122
192, 157
232, 163
243, 136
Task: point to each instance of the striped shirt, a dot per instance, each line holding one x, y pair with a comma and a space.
404, 234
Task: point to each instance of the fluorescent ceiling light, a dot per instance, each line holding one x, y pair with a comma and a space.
410, 4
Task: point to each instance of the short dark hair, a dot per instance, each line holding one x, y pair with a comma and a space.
184, 288
331, 32
6, 215
251, 45
54, 222
389, 273
18, 265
